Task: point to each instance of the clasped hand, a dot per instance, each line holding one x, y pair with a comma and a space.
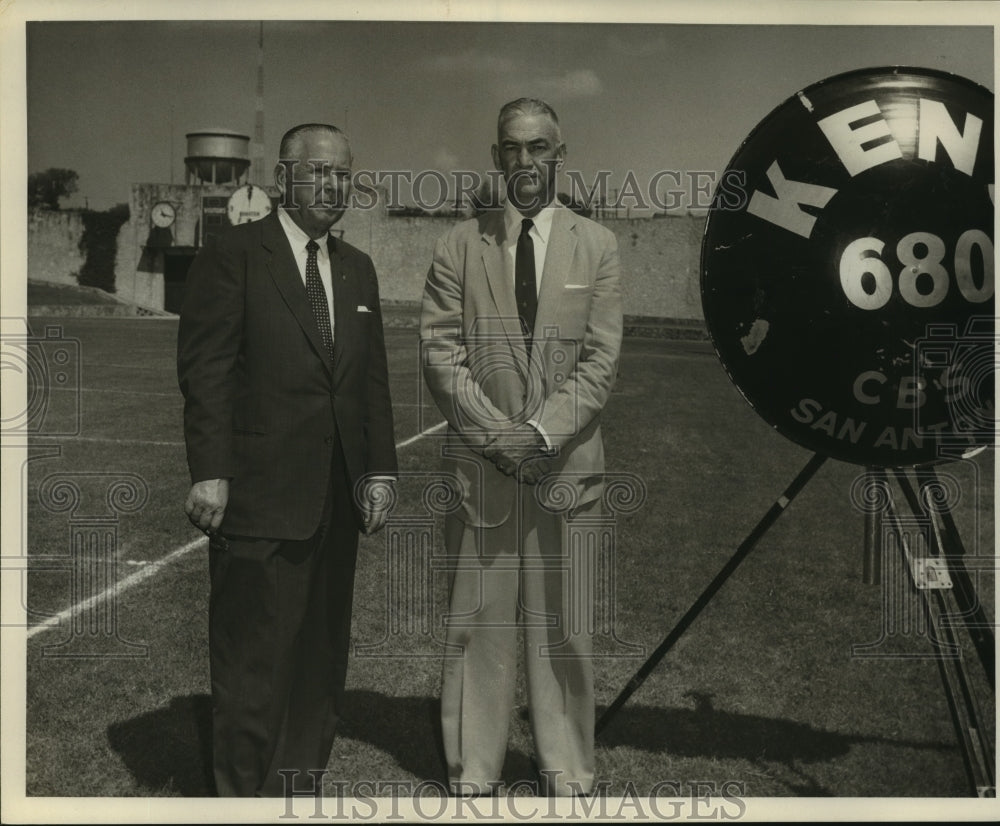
520, 452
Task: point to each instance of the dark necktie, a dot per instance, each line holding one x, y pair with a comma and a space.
317, 297
525, 290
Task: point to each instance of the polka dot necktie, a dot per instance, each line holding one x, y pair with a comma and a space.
317, 297
525, 289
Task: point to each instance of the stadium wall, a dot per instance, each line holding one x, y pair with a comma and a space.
54, 253
660, 257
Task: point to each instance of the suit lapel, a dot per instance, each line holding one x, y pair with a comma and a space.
285, 274
555, 275
502, 289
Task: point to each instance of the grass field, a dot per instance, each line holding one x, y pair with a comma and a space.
762, 690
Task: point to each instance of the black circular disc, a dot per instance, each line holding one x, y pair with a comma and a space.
847, 267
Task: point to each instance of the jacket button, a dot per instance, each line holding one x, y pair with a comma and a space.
328, 440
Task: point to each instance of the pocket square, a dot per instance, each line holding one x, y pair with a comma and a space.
363, 309
578, 286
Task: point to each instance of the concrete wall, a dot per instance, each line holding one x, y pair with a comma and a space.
187, 203
126, 264
139, 266
54, 245
661, 265
660, 256
400, 247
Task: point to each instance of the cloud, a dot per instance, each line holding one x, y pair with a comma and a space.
575, 83
502, 69
640, 45
445, 159
469, 61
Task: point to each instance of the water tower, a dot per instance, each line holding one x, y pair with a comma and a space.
217, 156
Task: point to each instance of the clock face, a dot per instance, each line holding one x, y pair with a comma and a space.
163, 214
248, 203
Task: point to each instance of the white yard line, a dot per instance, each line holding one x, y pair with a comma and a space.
112, 441
421, 435
118, 588
130, 367
122, 391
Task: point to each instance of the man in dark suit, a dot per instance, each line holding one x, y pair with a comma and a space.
521, 329
290, 443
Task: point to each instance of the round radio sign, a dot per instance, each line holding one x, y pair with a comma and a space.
848, 284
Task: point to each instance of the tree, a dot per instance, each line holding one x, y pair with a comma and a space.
99, 245
46, 188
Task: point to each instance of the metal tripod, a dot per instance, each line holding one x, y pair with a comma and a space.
941, 578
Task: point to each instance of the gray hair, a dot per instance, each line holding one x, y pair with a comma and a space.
527, 106
293, 135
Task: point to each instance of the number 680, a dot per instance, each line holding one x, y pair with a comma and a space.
860, 259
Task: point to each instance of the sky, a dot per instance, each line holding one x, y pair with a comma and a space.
114, 100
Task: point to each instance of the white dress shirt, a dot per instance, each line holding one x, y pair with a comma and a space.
539, 237
539, 232
298, 240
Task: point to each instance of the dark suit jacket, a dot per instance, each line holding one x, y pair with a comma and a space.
262, 397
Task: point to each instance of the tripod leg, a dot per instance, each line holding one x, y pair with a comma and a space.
970, 609
977, 753
872, 563
745, 547
976, 749
950, 546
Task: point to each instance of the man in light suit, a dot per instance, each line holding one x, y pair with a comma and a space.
521, 328
289, 433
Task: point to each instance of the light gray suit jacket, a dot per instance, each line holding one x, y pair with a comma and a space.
477, 368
